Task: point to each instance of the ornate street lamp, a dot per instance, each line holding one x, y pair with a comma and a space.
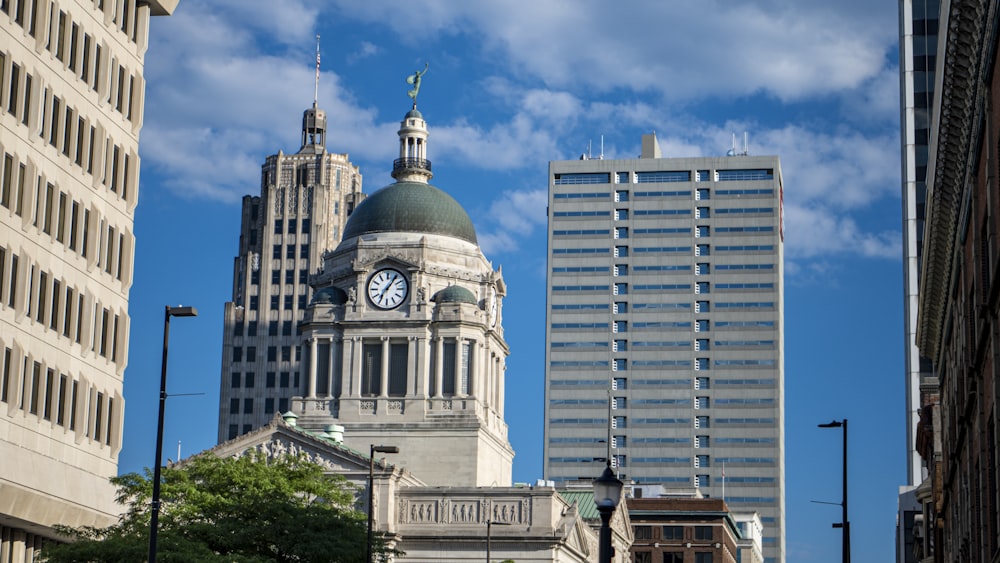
607, 494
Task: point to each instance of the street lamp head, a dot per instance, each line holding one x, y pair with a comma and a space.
831, 424
180, 311
385, 449
607, 489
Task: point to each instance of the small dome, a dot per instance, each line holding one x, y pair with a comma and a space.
455, 294
331, 294
410, 207
414, 113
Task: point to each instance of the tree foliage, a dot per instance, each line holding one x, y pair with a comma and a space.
250, 509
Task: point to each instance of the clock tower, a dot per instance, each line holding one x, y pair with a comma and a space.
403, 341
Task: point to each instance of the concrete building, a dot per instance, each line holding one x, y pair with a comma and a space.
71, 106
959, 298
664, 337
304, 201
918, 28
918, 25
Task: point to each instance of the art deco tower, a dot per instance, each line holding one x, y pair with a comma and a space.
71, 107
404, 340
304, 201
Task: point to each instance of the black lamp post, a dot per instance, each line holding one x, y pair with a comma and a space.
607, 494
154, 517
845, 524
371, 487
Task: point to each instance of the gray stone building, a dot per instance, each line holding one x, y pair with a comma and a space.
71, 106
664, 336
304, 201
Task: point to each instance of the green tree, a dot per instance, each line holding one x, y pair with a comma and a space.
248, 509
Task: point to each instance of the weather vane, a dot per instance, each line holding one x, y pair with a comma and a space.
414, 79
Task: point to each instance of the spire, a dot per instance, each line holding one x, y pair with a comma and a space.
316, 92
314, 119
412, 164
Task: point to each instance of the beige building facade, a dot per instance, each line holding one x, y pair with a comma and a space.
71, 106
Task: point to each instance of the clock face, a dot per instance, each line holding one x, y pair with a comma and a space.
493, 307
387, 288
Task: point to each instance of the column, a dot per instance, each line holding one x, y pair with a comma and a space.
413, 366
355, 375
500, 388
384, 375
473, 368
313, 354
438, 365
458, 366
332, 369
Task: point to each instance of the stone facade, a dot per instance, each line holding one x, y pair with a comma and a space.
957, 324
71, 106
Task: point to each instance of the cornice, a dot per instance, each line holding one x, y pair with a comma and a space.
958, 101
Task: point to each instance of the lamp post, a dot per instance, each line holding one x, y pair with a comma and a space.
607, 494
154, 517
489, 524
845, 524
371, 487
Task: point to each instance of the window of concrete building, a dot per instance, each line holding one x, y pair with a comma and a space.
702, 422
304, 251
247, 406
250, 379
618, 403
621, 214
286, 328
621, 233
702, 325
290, 276
286, 353
702, 269
269, 378
621, 252
275, 301
620, 289
272, 328
702, 250
251, 353
703, 557
619, 460
701, 441
701, 461
283, 381
247, 428
269, 405
619, 327
619, 346
703, 533
701, 383
283, 405
371, 369
234, 406
275, 277
279, 227
5, 378
289, 300
251, 326
702, 307
621, 195
237, 354
701, 364
619, 441
620, 307
272, 352
619, 364
234, 379
643, 532
702, 287
701, 344
397, 369
673, 532
233, 431
701, 402
619, 383
621, 270
619, 422
702, 213
276, 251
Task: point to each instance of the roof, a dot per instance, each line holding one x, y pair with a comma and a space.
410, 207
454, 294
584, 501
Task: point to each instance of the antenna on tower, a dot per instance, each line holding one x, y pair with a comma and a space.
746, 144
602, 147
316, 92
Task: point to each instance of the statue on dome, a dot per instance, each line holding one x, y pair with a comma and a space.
414, 79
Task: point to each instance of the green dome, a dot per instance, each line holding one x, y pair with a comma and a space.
454, 294
410, 207
331, 294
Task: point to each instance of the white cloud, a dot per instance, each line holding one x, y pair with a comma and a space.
365, 49
514, 216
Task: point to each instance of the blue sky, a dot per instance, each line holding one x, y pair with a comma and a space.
510, 87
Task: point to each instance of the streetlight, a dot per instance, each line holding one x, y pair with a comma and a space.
607, 494
489, 524
371, 487
844, 525
154, 517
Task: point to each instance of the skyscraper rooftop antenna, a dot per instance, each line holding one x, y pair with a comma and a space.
602, 147
316, 91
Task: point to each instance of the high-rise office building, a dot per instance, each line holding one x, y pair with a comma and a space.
664, 337
918, 25
71, 106
304, 201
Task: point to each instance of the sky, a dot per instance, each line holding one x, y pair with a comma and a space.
511, 86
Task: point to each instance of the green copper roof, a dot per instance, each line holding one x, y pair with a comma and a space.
454, 294
333, 295
410, 207
584, 503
